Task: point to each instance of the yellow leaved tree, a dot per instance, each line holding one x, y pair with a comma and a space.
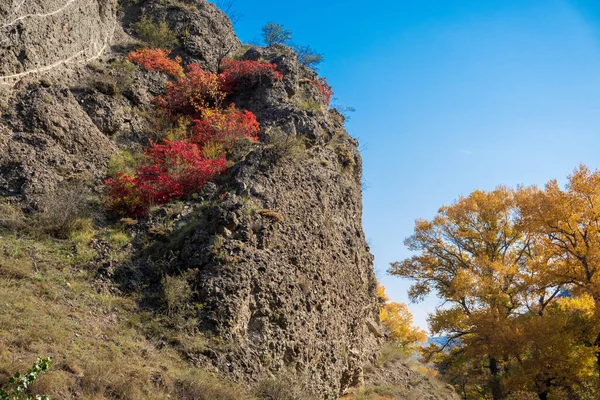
503, 283
398, 322
568, 222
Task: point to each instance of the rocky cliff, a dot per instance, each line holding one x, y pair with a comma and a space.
39, 35
274, 250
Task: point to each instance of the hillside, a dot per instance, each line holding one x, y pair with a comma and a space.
260, 284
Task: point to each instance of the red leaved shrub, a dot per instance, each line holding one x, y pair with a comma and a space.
236, 70
175, 170
225, 127
125, 196
157, 60
325, 89
193, 92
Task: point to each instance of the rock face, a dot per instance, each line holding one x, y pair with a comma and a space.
49, 138
283, 270
204, 32
38, 35
283, 274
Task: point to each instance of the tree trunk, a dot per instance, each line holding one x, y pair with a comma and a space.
495, 383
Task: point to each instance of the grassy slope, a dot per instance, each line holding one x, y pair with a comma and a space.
103, 345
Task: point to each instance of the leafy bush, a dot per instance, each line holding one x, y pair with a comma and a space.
286, 146
225, 127
157, 60
19, 383
190, 94
273, 33
234, 71
157, 36
123, 73
177, 292
123, 161
175, 170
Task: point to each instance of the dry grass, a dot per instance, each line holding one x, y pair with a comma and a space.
270, 214
282, 387
99, 343
64, 210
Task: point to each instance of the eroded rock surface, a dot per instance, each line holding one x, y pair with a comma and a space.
39, 35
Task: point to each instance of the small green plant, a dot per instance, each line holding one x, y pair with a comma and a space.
95, 66
286, 146
308, 105
45, 82
123, 71
177, 292
11, 216
275, 34
123, 161
157, 36
18, 383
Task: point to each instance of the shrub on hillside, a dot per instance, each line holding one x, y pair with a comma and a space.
157, 60
286, 146
225, 127
157, 36
204, 135
235, 71
63, 211
175, 170
193, 92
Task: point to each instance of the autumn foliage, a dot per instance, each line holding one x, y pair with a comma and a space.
175, 169
325, 89
235, 71
193, 92
224, 126
157, 60
518, 273
398, 322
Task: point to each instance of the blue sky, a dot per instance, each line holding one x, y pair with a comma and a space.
451, 96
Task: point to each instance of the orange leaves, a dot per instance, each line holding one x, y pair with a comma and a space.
193, 92
225, 126
157, 60
518, 272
